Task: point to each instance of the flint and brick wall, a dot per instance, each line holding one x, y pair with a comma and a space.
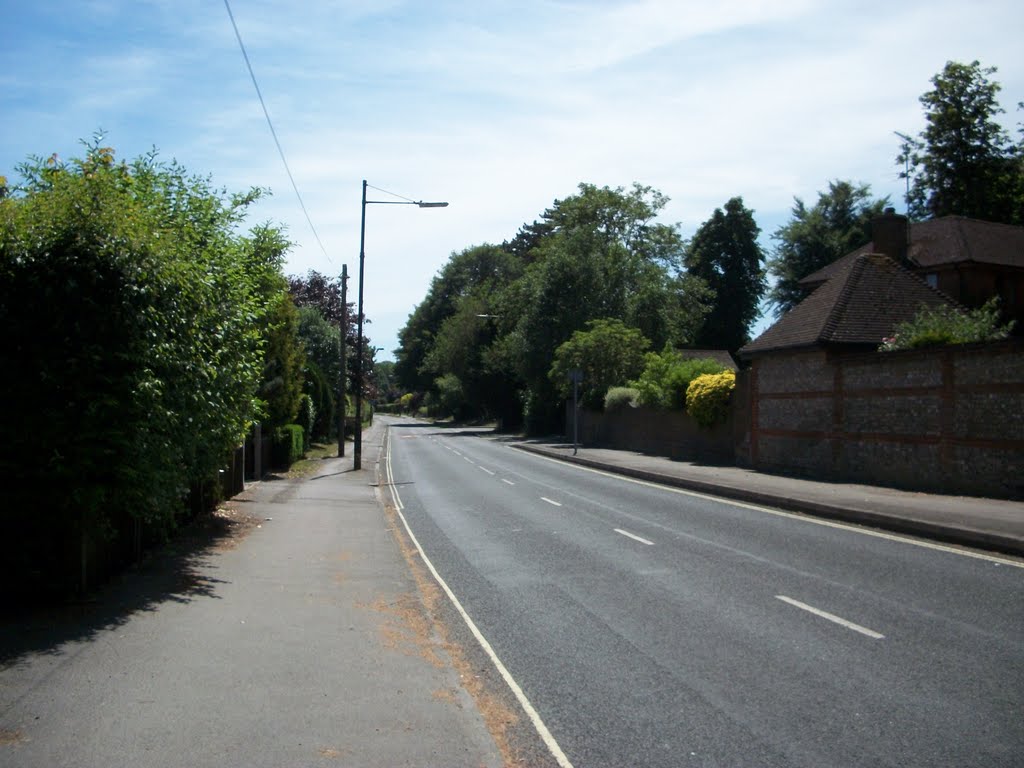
948, 420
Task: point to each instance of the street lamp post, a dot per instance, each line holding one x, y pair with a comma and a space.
357, 443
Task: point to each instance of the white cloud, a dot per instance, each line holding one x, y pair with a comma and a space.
499, 108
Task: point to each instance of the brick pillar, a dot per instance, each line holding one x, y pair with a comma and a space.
754, 414
837, 434
947, 406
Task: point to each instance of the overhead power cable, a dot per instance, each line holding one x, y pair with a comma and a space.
273, 133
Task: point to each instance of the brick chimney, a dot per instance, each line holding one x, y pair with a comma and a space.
890, 235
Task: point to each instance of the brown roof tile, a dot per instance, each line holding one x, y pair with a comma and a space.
947, 240
955, 239
867, 296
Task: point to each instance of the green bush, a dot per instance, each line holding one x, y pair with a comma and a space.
137, 316
288, 442
449, 395
306, 419
318, 388
684, 374
708, 396
666, 377
945, 324
621, 397
608, 354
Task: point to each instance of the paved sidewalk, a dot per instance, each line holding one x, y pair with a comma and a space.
975, 522
305, 642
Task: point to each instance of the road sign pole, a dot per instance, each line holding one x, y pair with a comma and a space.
577, 376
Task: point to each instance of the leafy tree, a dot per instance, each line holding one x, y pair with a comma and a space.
838, 223
604, 257
283, 362
666, 377
317, 387
609, 354
726, 255
450, 399
494, 316
142, 372
527, 238
321, 293
316, 291
321, 341
451, 331
417, 337
963, 162
387, 386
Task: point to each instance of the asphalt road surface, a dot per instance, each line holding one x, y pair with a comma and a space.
650, 626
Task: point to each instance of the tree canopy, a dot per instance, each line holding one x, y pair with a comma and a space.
963, 162
838, 223
487, 331
608, 354
726, 255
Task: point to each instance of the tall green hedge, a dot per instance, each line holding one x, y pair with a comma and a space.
288, 445
135, 317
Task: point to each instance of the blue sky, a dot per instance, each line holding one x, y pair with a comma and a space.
498, 108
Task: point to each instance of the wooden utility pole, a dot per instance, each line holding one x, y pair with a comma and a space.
344, 361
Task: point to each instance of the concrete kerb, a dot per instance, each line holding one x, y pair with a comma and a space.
967, 537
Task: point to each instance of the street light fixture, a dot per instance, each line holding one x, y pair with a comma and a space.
357, 443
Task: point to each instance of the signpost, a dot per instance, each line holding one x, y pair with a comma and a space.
576, 377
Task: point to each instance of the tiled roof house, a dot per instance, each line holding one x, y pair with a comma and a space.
941, 420
967, 259
860, 304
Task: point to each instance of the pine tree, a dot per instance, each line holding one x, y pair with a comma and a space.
726, 255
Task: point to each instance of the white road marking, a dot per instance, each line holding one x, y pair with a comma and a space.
468, 459
831, 617
517, 691
507, 481
793, 515
549, 501
485, 469
634, 537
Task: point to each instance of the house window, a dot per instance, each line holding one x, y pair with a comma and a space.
932, 278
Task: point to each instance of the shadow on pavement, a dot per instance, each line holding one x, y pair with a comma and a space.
179, 572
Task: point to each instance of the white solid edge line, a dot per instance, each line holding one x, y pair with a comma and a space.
538, 724
550, 501
791, 515
831, 617
634, 537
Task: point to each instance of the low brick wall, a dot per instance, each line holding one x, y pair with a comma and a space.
658, 433
949, 420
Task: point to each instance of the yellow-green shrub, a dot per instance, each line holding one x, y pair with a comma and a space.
707, 397
620, 397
